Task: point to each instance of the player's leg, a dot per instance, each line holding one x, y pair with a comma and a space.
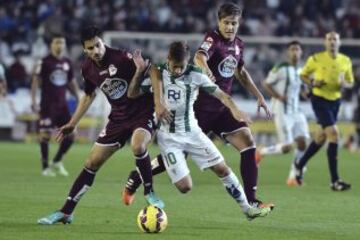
139, 142
283, 125
235, 190
45, 127
98, 155
134, 180
324, 117
64, 145
206, 156
301, 135
332, 134
243, 141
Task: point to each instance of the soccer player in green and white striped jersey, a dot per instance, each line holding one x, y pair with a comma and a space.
176, 85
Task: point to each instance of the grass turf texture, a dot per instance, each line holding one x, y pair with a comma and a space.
207, 212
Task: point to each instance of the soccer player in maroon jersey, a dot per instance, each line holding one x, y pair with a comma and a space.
221, 57
54, 75
114, 72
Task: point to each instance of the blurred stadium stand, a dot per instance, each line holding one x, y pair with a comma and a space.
25, 26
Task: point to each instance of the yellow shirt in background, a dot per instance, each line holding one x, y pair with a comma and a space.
331, 70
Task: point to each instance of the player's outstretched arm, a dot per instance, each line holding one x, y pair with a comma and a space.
141, 65
273, 93
35, 83
200, 59
245, 79
162, 114
228, 102
81, 109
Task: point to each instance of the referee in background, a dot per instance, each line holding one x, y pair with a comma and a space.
327, 73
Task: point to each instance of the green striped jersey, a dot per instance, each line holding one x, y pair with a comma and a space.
285, 79
179, 95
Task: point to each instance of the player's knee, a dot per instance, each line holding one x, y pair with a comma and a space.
184, 185
320, 138
248, 139
332, 134
44, 137
185, 189
287, 148
301, 145
221, 170
138, 148
92, 164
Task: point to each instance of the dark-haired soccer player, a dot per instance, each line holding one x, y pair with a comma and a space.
220, 56
54, 75
115, 72
327, 73
283, 83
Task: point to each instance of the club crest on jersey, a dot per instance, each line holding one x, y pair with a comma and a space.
58, 77
227, 66
114, 88
112, 70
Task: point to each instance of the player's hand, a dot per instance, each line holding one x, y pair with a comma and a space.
35, 107
64, 131
139, 61
318, 83
162, 114
262, 104
241, 116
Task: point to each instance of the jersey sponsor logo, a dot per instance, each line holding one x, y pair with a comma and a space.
58, 77
227, 66
206, 45
114, 88
175, 96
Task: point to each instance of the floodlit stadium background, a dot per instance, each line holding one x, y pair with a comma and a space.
266, 27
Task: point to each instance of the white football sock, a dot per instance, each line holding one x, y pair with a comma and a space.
235, 190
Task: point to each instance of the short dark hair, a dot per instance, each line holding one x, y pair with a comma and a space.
229, 9
179, 51
293, 42
53, 36
89, 33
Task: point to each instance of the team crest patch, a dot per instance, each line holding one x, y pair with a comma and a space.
114, 88
227, 66
58, 77
112, 70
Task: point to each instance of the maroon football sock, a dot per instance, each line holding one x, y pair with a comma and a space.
249, 173
144, 166
63, 148
81, 185
44, 150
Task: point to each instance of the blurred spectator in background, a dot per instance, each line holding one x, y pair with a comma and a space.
3, 85
17, 76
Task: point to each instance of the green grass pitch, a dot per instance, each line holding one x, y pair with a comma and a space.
207, 212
